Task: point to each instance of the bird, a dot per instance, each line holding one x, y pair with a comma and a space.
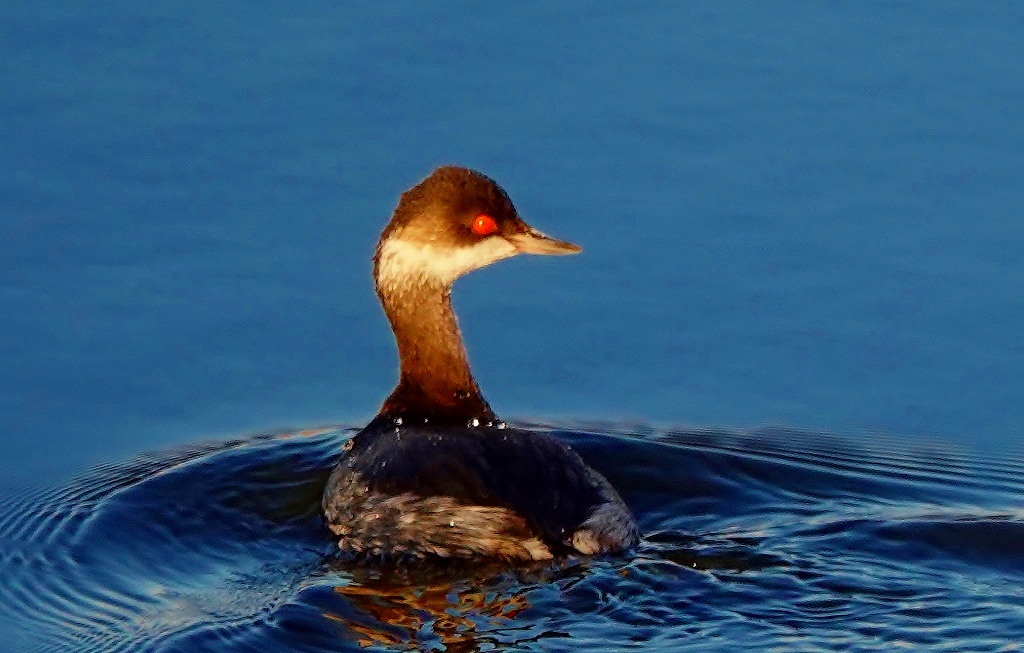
436, 473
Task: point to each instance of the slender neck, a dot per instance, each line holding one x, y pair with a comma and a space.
436, 384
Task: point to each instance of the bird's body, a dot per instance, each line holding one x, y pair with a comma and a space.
485, 491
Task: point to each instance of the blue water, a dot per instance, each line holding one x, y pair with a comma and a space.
805, 216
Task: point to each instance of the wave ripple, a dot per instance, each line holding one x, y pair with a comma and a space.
781, 539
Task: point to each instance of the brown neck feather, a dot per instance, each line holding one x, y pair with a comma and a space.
436, 384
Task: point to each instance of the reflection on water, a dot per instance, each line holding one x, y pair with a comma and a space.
424, 609
751, 540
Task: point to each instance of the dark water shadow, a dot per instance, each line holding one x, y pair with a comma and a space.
748, 536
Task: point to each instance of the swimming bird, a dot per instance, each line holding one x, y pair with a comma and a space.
436, 473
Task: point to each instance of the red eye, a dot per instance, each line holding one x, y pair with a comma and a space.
484, 225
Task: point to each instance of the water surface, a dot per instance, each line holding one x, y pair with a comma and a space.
795, 214
776, 540
805, 214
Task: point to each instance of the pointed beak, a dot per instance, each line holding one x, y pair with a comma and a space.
532, 241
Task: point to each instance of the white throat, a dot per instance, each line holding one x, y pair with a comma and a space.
401, 262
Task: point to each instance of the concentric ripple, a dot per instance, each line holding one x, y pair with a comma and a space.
753, 540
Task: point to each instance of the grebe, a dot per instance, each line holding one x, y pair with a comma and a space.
435, 473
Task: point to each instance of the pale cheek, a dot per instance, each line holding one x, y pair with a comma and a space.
488, 251
402, 261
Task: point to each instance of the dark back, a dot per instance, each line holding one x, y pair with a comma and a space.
533, 474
